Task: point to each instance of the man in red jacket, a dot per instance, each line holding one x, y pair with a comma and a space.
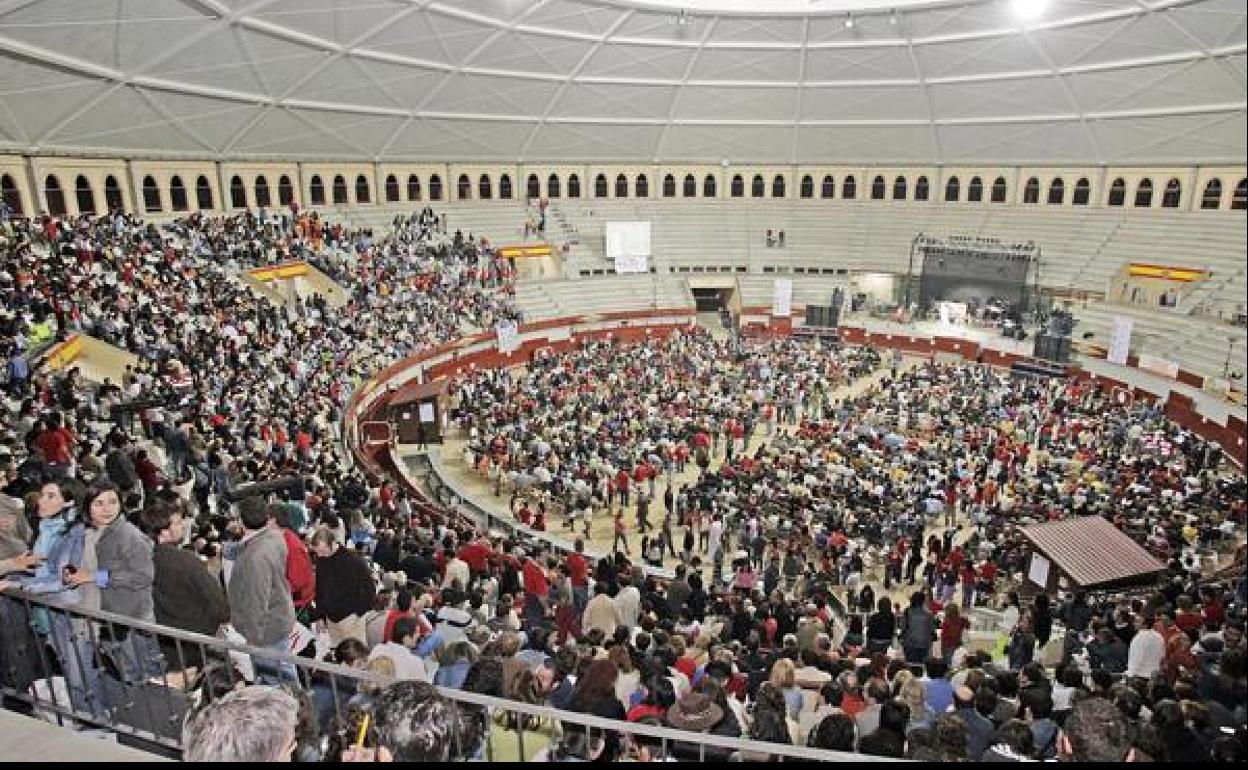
299, 573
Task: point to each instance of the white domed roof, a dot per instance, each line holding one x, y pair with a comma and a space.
1110, 81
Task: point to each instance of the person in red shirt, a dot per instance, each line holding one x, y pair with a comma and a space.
578, 574
56, 443
476, 555
536, 591
299, 573
621, 486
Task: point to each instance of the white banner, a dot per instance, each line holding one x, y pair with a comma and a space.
1039, 572
632, 263
1120, 345
508, 336
628, 245
782, 299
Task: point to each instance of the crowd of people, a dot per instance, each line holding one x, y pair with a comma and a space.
801, 490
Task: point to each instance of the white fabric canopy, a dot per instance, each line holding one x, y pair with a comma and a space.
1084, 81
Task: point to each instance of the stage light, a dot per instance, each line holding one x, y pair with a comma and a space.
1028, 10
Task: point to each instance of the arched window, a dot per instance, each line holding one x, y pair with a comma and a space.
807, 189
641, 187
238, 193
286, 191
669, 186
262, 192
392, 189
553, 187
1031, 191
341, 196
151, 195
115, 201
975, 190
878, 188
921, 189
777, 186
689, 188
10, 195
1118, 192
953, 190
621, 187
504, 187
84, 195
413, 187
738, 186
1239, 201
463, 188
999, 190
899, 188
533, 187
1144, 193
600, 186
709, 186
828, 188
849, 188
758, 188
1083, 192
203, 193
485, 188
435, 187
55, 196
1212, 199
574, 186
1173, 194
1057, 192
177, 194
363, 192
316, 187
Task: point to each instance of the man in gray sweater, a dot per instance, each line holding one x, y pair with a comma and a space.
261, 607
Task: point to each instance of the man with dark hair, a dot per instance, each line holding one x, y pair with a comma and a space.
890, 739
184, 594
261, 608
1037, 704
834, 733
979, 729
877, 694
417, 724
1095, 731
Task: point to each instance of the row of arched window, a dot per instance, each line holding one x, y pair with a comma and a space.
179, 198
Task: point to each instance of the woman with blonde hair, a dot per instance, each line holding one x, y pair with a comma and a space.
784, 679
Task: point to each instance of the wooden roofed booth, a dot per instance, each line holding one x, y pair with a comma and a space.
1086, 553
416, 411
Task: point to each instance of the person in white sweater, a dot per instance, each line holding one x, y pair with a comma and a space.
1147, 650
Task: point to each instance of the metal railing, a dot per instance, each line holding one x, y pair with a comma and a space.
88, 649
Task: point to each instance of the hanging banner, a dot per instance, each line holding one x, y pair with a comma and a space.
1120, 345
508, 336
782, 299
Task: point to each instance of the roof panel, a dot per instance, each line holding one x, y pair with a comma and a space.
893, 103
621, 102
747, 64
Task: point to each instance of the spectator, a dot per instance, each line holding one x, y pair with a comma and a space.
344, 588
254, 724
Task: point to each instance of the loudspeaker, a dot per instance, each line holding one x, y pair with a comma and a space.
1051, 348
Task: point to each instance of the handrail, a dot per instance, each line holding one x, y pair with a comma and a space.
664, 735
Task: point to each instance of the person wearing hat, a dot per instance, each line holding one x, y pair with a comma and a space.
701, 711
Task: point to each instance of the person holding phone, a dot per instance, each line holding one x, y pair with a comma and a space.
62, 541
